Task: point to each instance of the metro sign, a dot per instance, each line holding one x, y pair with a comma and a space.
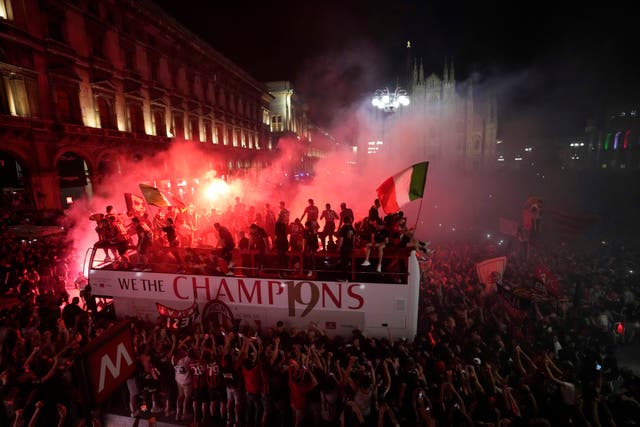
108, 362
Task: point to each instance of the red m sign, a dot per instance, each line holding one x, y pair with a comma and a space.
108, 362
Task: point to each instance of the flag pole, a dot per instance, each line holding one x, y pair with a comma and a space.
415, 226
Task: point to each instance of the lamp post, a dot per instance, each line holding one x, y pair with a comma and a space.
390, 101
387, 102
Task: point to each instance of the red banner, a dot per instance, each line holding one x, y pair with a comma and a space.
177, 319
107, 362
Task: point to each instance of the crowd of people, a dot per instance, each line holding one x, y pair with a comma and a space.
478, 359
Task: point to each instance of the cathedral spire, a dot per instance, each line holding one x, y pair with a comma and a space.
421, 72
445, 73
415, 74
452, 76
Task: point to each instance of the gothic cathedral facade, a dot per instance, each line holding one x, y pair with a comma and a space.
460, 121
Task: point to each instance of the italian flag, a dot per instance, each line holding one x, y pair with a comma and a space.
403, 187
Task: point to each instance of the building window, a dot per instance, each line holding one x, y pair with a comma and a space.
135, 116
106, 112
66, 105
97, 41
55, 27
5, 10
15, 94
159, 124
129, 57
211, 98
221, 98
240, 138
154, 66
220, 135
194, 128
178, 125
230, 139
276, 124
207, 131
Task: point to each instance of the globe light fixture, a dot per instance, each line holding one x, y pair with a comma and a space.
390, 101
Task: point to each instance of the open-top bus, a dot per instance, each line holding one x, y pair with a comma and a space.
337, 301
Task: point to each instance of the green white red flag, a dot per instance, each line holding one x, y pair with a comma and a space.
403, 187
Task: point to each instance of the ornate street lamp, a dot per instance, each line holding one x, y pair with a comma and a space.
390, 101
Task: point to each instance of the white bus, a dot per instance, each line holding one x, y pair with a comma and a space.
375, 303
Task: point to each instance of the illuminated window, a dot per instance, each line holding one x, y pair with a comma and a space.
276, 124
207, 131
194, 128
135, 117
106, 112
178, 125
14, 96
159, 124
5, 10
230, 140
219, 135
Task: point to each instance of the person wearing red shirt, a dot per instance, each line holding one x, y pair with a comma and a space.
252, 376
301, 382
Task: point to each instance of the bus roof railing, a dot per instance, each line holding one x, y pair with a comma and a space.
246, 264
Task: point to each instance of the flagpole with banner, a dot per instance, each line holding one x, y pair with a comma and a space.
403, 187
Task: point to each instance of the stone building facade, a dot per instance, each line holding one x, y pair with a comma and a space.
85, 84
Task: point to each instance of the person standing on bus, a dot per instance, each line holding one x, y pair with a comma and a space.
270, 221
119, 238
226, 243
310, 246
311, 212
259, 242
330, 216
346, 215
145, 238
346, 239
174, 242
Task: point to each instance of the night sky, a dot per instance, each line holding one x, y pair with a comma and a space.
552, 65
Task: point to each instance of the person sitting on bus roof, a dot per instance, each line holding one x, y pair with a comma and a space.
379, 240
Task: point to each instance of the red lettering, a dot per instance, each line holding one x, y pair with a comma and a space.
205, 287
175, 287
279, 289
227, 293
326, 290
354, 295
254, 291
